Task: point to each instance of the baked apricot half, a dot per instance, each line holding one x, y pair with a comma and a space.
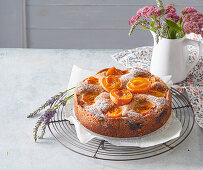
111, 82
139, 85
91, 80
114, 112
88, 98
114, 71
157, 93
121, 97
152, 79
144, 107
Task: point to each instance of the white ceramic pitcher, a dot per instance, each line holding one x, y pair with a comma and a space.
170, 57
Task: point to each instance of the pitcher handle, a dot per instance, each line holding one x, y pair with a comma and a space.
188, 41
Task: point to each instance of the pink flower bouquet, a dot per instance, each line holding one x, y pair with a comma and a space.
165, 22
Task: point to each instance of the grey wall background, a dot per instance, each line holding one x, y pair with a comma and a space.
75, 23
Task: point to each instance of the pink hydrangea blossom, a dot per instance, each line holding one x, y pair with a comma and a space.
195, 17
145, 9
192, 27
139, 12
193, 22
173, 16
188, 10
158, 12
148, 11
200, 23
169, 9
133, 19
152, 10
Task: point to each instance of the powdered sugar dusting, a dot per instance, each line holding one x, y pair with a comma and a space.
158, 86
102, 104
160, 102
125, 79
139, 72
134, 72
128, 110
133, 116
82, 87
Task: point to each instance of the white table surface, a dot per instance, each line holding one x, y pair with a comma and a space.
28, 77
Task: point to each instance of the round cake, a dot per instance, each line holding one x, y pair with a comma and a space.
122, 103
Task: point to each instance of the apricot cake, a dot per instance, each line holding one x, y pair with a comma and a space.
122, 103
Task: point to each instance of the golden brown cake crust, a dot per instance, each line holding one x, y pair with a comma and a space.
131, 124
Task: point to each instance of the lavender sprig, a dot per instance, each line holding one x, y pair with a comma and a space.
48, 103
46, 117
157, 36
57, 101
143, 23
43, 131
39, 122
160, 6
163, 30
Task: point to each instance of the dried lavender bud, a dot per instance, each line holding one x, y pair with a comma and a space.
160, 6
49, 113
145, 23
157, 36
63, 103
134, 25
163, 30
142, 22
39, 122
43, 130
49, 103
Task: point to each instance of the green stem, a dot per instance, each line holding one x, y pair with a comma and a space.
38, 124
56, 106
45, 104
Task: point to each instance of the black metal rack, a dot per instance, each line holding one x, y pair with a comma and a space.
64, 132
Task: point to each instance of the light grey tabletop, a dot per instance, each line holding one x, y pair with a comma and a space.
30, 76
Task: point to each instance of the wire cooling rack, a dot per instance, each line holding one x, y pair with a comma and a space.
64, 132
